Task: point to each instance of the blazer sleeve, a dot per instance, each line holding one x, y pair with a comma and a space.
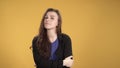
44, 63
67, 46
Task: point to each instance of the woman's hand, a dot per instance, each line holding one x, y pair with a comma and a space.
68, 61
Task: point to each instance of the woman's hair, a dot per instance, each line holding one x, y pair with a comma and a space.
43, 43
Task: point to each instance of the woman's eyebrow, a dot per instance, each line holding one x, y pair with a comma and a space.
52, 15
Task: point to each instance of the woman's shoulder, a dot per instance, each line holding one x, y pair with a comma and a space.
65, 36
34, 39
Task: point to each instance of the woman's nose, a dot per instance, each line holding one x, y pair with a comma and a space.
47, 19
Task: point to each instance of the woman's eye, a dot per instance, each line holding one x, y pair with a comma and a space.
46, 17
52, 18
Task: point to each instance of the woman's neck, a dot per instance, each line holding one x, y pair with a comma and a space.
52, 35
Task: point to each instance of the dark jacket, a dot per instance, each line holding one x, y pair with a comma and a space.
64, 50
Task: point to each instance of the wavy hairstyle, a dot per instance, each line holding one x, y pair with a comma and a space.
43, 43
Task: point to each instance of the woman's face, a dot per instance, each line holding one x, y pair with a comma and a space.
51, 20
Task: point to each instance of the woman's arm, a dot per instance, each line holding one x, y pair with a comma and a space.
67, 46
46, 63
68, 61
42, 62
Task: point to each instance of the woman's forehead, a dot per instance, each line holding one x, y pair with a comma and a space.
53, 14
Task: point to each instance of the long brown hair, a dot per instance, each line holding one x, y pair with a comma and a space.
43, 43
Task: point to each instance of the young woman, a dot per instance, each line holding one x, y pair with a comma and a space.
52, 48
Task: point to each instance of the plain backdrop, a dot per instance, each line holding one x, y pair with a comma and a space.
93, 25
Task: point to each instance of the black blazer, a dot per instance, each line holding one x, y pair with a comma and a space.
64, 50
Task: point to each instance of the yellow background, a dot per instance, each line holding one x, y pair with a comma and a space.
93, 25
